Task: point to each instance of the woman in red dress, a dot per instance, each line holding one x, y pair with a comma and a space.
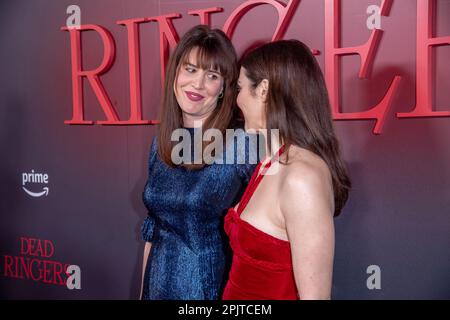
282, 231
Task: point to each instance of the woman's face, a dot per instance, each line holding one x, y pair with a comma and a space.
197, 90
251, 102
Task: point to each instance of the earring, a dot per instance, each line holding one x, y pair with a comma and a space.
221, 95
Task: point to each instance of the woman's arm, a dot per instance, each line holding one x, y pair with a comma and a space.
307, 204
147, 248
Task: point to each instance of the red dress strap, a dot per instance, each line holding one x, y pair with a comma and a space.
255, 180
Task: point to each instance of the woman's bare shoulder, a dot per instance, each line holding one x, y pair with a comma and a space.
304, 164
306, 181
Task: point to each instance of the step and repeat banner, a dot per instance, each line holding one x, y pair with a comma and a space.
79, 95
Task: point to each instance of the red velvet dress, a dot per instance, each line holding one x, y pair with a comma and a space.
262, 264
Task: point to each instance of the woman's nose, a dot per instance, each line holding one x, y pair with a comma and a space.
199, 80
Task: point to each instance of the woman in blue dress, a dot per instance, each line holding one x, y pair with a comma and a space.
185, 255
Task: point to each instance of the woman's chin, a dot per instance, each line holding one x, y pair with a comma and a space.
190, 110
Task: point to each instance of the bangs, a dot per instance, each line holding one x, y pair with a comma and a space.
208, 58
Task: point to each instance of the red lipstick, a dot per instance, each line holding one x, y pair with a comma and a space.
194, 96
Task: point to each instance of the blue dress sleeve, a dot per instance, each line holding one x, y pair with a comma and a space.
148, 225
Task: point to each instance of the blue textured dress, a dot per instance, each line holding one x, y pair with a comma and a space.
189, 257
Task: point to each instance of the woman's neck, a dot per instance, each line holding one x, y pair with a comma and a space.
189, 122
276, 144
195, 120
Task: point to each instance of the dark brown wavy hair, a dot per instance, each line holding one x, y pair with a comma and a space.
215, 52
297, 105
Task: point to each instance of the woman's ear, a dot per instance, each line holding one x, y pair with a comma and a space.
263, 89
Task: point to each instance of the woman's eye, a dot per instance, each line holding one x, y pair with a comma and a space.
189, 69
213, 76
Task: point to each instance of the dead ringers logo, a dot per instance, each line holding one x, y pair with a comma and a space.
34, 264
426, 41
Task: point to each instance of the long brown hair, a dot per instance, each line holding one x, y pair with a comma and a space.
216, 51
297, 105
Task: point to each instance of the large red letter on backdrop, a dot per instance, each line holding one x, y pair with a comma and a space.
168, 38
205, 14
92, 75
424, 73
367, 54
134, 58
285, 14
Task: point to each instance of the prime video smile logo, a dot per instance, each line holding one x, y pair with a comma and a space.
41, 178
